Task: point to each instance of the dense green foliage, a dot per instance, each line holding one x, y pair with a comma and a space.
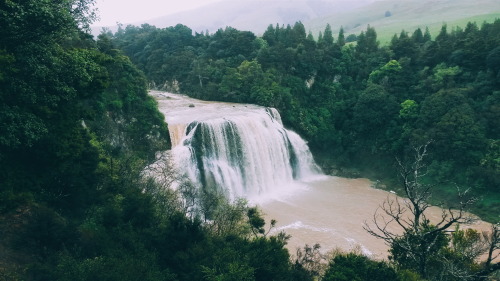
359, 104
352, 267
77, 129
447, 257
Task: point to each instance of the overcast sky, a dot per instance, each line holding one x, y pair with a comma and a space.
129, 11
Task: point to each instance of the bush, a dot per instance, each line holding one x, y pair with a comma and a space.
353, 267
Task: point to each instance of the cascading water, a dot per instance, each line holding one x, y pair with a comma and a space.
244, 151
239, 150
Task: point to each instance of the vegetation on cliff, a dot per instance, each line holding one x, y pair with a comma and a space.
360, 104
77, 129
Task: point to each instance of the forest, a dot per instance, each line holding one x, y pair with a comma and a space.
77, 129
359, 105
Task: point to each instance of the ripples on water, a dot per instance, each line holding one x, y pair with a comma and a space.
275, 170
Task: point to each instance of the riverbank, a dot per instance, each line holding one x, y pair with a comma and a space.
487, 206
332, 212
328, 210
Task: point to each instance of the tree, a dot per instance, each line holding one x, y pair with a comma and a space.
341, 38
311, 260
328, 35
493, 59
351, 38
367, 41
420, 244
450, 121
418, 36
353, 267
427, 35
467, 246
409, 110
270, 35
404, 46
493, 242
384, 74
298, 33
372, 117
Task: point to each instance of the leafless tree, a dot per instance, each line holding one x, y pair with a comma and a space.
493, 242
403, 224
312, 260
172, 191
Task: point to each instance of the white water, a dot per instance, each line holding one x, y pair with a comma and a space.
241, 150
245, 151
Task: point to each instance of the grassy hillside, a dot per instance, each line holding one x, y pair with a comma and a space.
409, 15
251, 15
256, 15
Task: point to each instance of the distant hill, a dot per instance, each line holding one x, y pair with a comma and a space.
252, 15
391, 16
387, 16
256, 15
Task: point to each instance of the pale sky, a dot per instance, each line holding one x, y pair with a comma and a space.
130, 11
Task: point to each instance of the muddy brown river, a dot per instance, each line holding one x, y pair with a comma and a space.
332, 211
311, 207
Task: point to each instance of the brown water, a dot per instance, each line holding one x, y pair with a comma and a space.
332, 212
320, 209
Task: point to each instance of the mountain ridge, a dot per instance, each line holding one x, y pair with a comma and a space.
410, 16
250, 15
257, 15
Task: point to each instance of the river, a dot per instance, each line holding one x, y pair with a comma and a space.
311, 207
332, 212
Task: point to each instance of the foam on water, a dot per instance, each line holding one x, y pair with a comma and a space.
239, 150
301, 225
244, 151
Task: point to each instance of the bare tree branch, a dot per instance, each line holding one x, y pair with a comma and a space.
404, 224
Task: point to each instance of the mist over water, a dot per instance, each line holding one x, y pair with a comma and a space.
244, 151
239, 150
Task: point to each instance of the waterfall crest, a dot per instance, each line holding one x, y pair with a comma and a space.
240, 150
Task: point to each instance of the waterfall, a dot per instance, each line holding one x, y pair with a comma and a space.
240, 150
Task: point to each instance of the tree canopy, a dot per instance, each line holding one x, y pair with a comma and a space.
77, 129
350, 101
